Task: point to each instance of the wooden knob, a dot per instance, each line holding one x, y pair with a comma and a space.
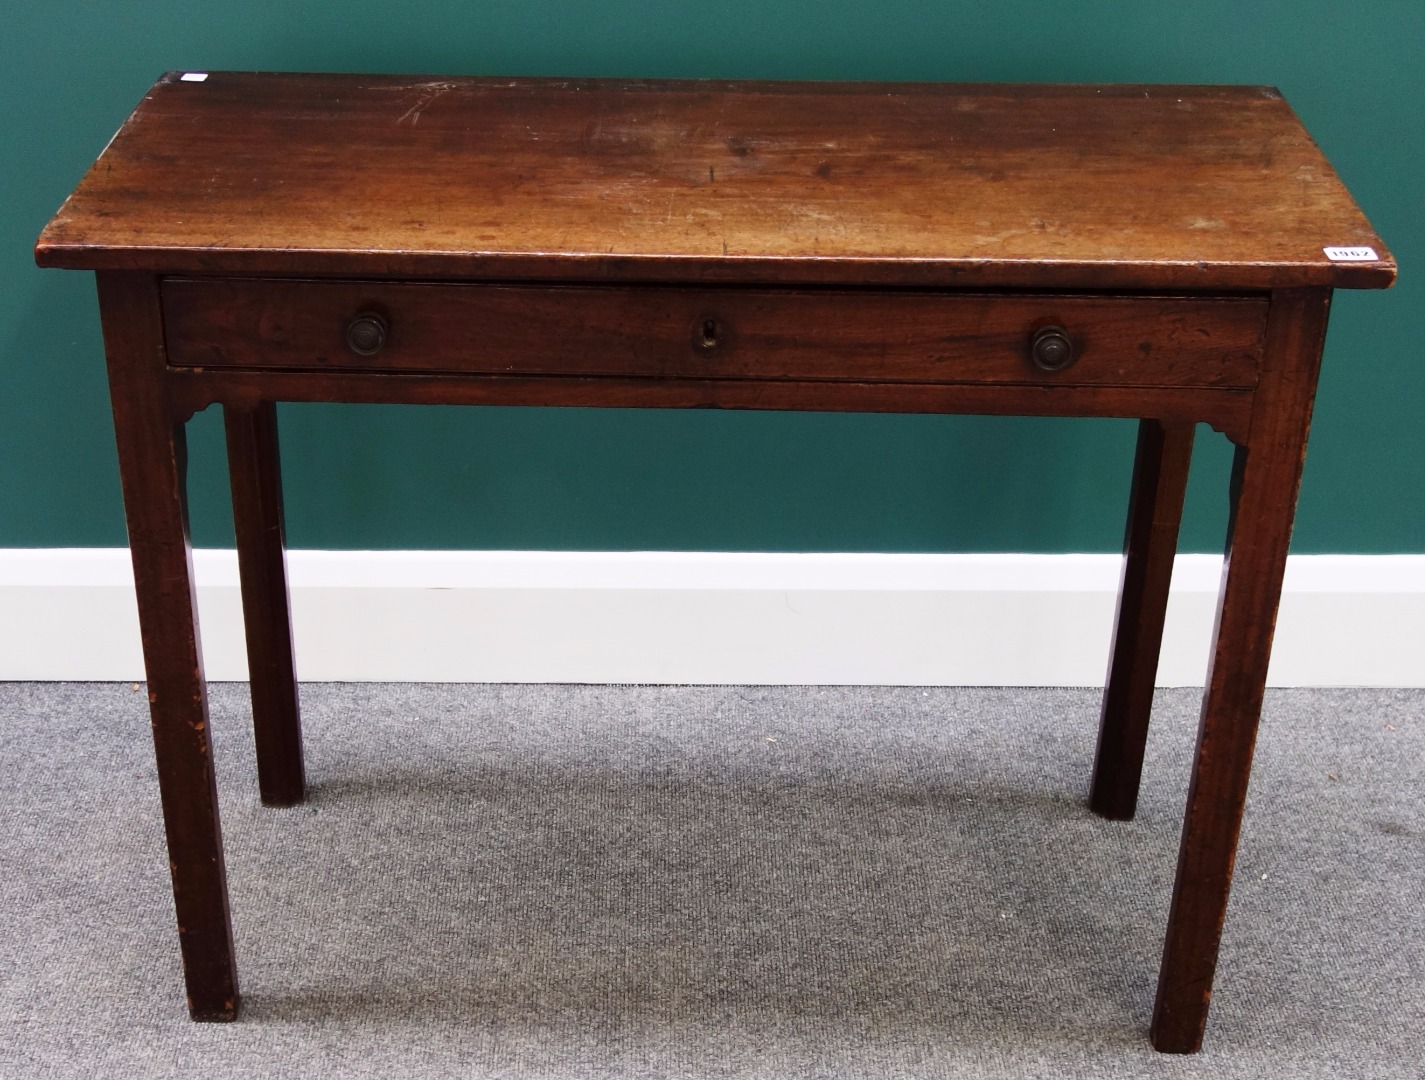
1051, 349
366, 333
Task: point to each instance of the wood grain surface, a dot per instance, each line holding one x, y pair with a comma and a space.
1033, 185
867, 248
679, 332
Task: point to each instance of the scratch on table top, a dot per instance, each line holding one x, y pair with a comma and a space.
430, 92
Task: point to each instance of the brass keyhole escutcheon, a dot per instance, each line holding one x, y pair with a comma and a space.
707, 334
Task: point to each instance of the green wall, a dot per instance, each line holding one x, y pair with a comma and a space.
589, 479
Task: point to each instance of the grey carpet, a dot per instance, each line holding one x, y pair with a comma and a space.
526, 881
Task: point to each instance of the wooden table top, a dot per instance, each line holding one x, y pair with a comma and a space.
759, 182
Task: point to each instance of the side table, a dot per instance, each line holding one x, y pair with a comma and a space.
1153, 252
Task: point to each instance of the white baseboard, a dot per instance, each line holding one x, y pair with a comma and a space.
700, 617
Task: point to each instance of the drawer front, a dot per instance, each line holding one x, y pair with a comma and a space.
669, 332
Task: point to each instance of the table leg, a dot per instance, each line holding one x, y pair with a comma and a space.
262, 561
1155, 508
152, 467
1266, 475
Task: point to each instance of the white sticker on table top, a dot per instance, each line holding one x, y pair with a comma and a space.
1351, 254
193, 76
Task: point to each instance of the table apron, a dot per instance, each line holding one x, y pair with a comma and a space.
1227, 411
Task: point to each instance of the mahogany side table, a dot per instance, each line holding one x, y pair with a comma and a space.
1154, 252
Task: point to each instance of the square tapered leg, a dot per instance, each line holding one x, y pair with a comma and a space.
254, 468
1266, 478
1155, 509
152, 465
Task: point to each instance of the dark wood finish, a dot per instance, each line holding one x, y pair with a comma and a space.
262, 561
715, 245
1155, 509
152, 466
755, 183
706, 333
1229, 411
1268, 472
